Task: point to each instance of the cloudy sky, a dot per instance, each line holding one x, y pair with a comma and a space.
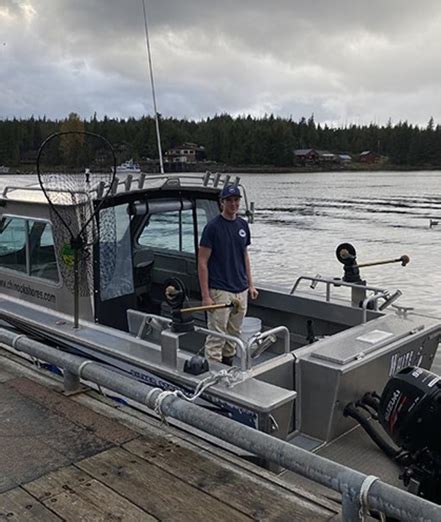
345, 61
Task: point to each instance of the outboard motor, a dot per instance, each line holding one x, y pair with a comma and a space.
410, 412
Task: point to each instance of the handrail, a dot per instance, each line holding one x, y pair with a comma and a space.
245, 363
372, 298
334, 282
261, 336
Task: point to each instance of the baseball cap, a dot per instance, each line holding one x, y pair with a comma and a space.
230, 191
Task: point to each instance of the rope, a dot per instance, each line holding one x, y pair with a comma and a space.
230, 377
364, 500
159, 400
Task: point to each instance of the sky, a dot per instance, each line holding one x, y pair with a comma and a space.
345, 61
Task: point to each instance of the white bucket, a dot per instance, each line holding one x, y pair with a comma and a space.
250, 327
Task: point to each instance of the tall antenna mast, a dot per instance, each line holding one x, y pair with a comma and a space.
149, 54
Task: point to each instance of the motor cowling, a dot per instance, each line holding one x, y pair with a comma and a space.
410, 409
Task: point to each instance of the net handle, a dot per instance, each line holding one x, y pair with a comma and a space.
45, 192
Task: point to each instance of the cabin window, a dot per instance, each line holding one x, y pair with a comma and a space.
171, 231
43, 262
13, 244
27, 246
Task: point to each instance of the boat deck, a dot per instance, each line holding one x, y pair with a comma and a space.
83, 458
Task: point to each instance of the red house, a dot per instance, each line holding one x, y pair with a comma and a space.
369, 157
306, 156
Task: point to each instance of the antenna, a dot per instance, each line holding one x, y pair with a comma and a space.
149, 55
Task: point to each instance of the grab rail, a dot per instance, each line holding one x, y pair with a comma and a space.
261, 336
245, 363
329, 282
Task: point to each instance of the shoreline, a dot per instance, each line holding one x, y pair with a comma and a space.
254, 169
269, 169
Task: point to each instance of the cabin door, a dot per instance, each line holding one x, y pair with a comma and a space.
114, 285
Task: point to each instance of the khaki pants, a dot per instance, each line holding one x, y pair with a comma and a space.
224, 321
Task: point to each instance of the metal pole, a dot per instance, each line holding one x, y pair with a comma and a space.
149, 55
76, 286
381, 497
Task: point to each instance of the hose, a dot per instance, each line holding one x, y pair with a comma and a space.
389, 449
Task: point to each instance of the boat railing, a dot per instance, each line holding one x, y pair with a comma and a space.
333, 282
162, 181
358, 292
143, 181
144, 322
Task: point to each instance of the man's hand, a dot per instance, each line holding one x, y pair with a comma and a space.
207, 301
254, 293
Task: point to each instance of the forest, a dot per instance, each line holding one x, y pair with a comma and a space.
239, 141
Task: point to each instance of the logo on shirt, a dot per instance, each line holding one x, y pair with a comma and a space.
242, 233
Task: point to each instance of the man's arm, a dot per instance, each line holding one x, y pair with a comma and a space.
252, 290
204, 254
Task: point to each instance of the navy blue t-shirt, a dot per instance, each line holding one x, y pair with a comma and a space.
228, 241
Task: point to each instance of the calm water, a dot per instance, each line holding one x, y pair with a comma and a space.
301, 218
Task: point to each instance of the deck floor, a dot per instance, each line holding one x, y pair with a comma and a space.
61, 459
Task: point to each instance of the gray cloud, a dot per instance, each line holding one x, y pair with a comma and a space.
346, 60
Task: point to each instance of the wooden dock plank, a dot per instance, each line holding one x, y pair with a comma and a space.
74, 495
5, 376
16, 505
24, 452
104, 428
255, 497
155, 490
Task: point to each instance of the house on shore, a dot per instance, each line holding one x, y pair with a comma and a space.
315, 157
368, 156
345, 158
185, 153
327, 157
305, 156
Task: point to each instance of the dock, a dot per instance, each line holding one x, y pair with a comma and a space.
88, 457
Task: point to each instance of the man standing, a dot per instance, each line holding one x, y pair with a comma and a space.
225, 273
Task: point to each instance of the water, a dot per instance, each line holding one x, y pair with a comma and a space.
301, 219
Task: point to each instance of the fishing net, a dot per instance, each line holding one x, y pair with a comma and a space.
76, 172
